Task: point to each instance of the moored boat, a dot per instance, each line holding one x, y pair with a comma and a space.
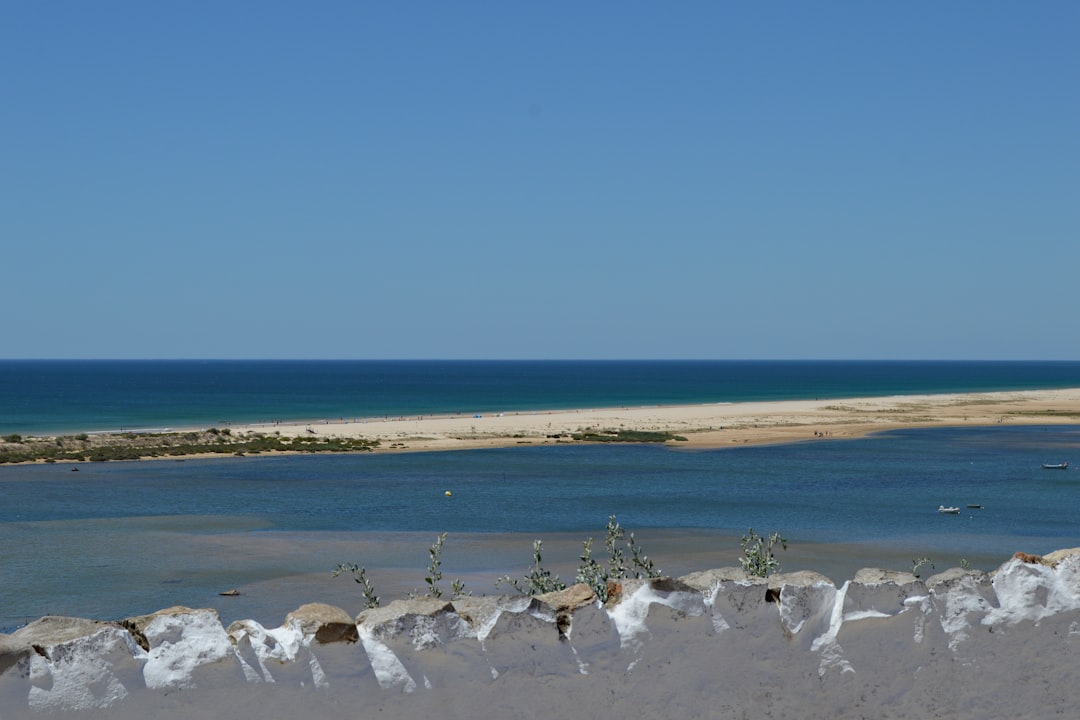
948, 510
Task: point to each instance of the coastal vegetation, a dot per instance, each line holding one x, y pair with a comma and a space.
758, 558
359, 574
133, 446
432, 579
601, 579
623, 435
625, 560
101, 447
538, 580
434, 572
1051, 414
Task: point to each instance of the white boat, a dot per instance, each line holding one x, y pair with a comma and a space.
948, 510
1058, 466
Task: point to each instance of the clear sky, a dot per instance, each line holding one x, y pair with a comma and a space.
540, 180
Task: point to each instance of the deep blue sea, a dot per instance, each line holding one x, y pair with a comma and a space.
119, 539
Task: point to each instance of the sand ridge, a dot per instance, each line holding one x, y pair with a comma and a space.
703, 426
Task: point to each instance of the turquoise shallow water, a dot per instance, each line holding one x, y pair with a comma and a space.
117, 539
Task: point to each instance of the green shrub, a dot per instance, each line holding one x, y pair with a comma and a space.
595, 576
758, 558
591, 573
434, 572
538, 581
631, 436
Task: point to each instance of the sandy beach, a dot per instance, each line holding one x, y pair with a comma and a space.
703, 426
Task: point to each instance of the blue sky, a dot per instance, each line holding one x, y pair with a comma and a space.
504, 180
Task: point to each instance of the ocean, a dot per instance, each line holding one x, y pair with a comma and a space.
63, 396
120, 539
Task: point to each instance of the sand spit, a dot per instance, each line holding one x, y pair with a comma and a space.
703, 426
712, 644
710, 426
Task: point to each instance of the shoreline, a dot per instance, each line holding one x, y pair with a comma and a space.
704, 426
395, 563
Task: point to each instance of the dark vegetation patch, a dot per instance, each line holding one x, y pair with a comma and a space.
133, 446
632, 436
1071, 415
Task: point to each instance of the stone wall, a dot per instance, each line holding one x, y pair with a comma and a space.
714, 644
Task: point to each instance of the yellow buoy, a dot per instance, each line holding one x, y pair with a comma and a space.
447, 493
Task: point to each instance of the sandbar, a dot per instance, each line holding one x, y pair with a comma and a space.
703, 426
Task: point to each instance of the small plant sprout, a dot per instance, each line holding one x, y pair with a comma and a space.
616, 565
457, 587
758, 558
643, 566
918, 563
371, 600
590, 572
434, 573
538, 581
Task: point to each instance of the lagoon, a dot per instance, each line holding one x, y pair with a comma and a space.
119, 539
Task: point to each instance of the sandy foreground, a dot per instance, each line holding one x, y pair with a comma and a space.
704, 426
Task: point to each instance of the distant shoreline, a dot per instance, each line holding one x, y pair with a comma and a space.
73, 397
703, 426
698, 426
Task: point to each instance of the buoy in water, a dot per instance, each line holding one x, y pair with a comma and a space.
447, 493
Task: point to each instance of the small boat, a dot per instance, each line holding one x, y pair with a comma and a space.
948, 510
975, 506
1059, 466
